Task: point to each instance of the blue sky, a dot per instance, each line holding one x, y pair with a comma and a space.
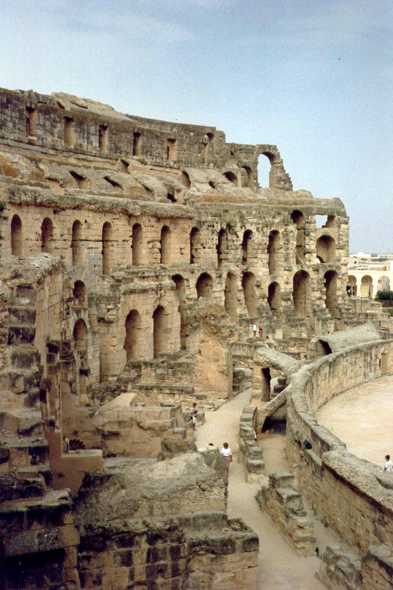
314, 78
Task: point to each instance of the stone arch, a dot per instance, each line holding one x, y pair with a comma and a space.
274, 299
247, 246
231, 177
274, 251
80, 336
231, 295
165, 245
298, 218
204, 286
16, 236
326, 249
47, 236
322, 348
222, 246
132, 340
107, 238
331, 279
185, 178
352, 288
265, 382
265, 174
247, 177
302, 294
366, 287
76, 243
137, 247
209, 138
250, 298
159, 332
195, 245
80, 293
181, 290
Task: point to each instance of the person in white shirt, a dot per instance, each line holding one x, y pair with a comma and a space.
227, 454
388, 464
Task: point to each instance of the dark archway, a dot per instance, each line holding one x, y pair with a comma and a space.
195, 245
204, 286
159, 335
247, 246
222, 247
76, 244
298, 218
106, 248
274, 251
80, 293
274, 299
326, 249
165, 245
47, 236
331, 293
136, 244
181, 290
250, 298
302, 294
133, 336
231, 295
80, 336
16, 236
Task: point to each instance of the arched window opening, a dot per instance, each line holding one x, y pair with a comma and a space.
204, 286
231, 295
298, 218
181, 290
80, 336
274, 251
133, 337
265, 171
31, 121
165, 245
366, 287
212, 184
137, 144
171, 197
250, 299
79, 179
323, 348
76, 244
266, 379
247, 178
185, 179
103, 138
69, 132
16, 236
247, 247
209, 137
231, 177
159, 333
222, 247
352, 289
106, 248
136, 244
171, 150
274, 299
47, 236
302, 294
195, 245
80, 293
326, 249
331, 293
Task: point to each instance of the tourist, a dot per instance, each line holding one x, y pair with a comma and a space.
194, 415
227, 454
260, 331
388, 464
254, 329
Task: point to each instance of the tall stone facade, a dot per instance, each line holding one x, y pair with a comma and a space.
136, 255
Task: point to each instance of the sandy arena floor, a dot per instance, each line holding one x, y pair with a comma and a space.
363, 418
279, 566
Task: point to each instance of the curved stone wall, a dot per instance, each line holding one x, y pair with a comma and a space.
352, 495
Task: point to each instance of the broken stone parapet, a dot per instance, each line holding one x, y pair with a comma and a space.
284, 504
340, 570
250, 453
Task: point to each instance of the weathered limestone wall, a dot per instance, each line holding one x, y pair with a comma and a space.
350, 493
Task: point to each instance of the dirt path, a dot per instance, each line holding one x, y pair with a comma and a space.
279, 566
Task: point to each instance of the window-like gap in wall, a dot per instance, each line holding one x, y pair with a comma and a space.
16, 236
136, 244
231, 177
137, 144
165, 245
103, 138
79, 179
31, 121
264, 171
132, 341
114, 184
204, 286
47, 236
171, 150
69, 132
212, 184
320, 221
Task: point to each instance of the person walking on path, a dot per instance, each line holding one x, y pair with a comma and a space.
227, 454
260, 331
388, 464
194, 415
254, 329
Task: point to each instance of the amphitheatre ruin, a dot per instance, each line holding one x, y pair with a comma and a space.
136, 257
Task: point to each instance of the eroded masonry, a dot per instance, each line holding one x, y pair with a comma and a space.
136, 257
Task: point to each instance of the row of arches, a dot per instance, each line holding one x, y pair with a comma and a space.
326, 249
